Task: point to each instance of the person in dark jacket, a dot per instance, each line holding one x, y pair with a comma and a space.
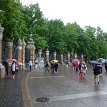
56, 67
97, 71
52, 66
6, 67
46, 66
106, 66
80, 71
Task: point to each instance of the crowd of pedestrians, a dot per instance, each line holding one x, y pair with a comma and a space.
52, 67
79, 67
12, 67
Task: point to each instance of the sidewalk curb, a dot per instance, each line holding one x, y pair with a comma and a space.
25, 90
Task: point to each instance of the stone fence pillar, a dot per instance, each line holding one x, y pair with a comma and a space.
2, 69
54, 54
23, 54
62, 59
40, 53
47, 55
9, 49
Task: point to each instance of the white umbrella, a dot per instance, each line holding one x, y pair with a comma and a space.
101, 60
54, 61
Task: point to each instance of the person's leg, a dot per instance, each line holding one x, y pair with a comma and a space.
52, 69
101, 70
80, 73
95, 78
6, 71
98, 79
76, 69
47, 69
30, 68
106, 68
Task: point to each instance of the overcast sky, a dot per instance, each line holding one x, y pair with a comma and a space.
84, 12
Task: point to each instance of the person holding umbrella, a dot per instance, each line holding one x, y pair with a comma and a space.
46, 66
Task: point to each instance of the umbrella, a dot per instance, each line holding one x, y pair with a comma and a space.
54, 61
105, 60
76, 60
11, 60
95, 62
101, 60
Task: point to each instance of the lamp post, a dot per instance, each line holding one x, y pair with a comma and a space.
54, 54
2, 69
47, 55
62, 59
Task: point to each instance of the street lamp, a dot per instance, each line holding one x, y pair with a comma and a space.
2, 69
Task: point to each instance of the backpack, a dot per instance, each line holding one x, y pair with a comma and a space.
84, 67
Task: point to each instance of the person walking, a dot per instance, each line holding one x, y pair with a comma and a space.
84, 68
77, 65
97, 71
52, 66
13, 69
106, 66
46, 66
30, 65
80, 71
56, 67
73, 64
6, 67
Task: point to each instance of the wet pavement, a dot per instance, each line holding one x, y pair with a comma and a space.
11, 94
67, 89
44, 89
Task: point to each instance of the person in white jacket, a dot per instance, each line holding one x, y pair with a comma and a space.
30, 65
84, 68
13, 68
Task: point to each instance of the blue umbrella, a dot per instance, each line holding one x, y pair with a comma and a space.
94, 62
105, 60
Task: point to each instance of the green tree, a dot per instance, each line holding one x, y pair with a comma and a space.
36, 25
55, 36
12, 20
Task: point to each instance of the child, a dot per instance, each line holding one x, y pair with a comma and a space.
80, 71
